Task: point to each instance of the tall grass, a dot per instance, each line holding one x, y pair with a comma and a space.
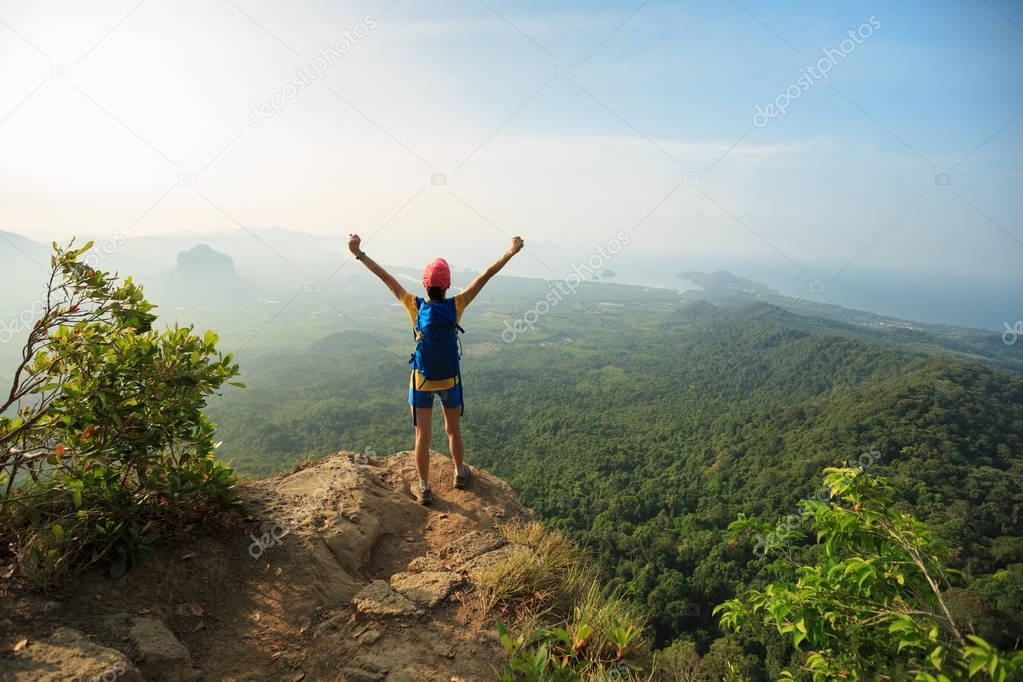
570, 625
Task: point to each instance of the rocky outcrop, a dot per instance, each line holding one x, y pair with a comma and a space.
161, 655
68, 654
472, 545
380, 599
426, 589
329, 572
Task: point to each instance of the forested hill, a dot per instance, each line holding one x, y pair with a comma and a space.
646, 434
740, 417
963, 343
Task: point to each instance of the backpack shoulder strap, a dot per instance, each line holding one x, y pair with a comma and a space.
419, 310
454, 314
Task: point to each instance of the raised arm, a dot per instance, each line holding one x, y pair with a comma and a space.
355, 246
478, 283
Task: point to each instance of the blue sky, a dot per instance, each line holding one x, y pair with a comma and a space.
844, 180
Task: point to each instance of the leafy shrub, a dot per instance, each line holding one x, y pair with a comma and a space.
874, 606
104, 442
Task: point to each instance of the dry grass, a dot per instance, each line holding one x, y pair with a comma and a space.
550, 574
552, 582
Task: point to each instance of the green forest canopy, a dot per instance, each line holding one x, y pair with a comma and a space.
644, 430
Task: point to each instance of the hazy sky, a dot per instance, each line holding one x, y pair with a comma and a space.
565, 122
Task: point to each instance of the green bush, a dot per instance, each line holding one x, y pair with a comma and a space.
874, 605
103, 442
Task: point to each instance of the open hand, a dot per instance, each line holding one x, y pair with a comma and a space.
517, 245
354, 244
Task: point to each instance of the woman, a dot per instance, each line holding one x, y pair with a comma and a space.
435, 364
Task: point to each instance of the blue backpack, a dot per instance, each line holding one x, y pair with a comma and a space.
438, 350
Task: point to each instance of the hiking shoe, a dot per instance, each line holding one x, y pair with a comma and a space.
462, 476
423, 494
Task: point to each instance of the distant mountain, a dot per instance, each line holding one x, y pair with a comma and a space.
24, 265
20, 255
269, 253
721, 281
202, 260
202, 277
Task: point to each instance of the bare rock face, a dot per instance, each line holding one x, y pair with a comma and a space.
426, 589
370, 637
68, 655
472, 545
162, 657
473, 567
378, 599
423, 564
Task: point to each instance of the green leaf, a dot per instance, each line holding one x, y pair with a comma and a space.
976, 665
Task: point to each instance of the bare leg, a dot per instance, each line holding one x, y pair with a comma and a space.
424, 430
452, 418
